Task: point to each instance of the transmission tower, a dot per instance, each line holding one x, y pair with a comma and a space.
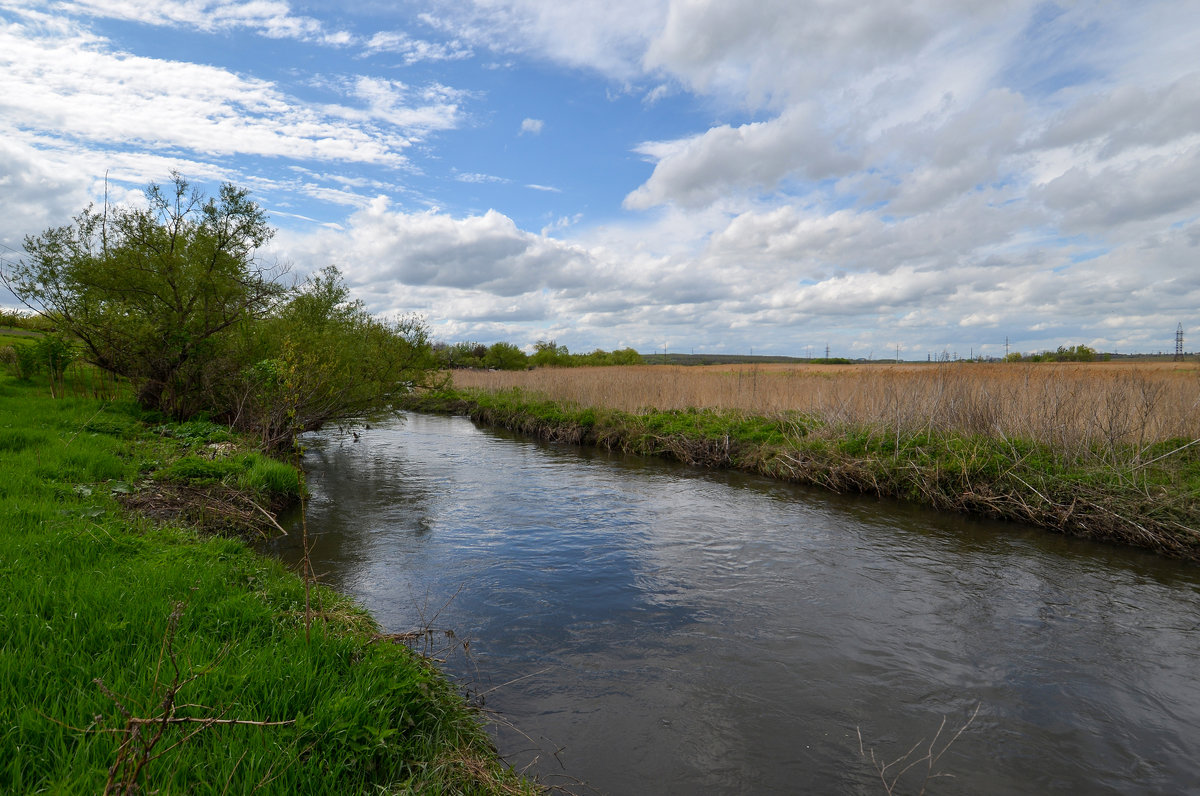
1179, 343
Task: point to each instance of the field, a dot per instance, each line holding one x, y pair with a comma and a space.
1081, 410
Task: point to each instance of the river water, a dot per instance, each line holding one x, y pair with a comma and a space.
653, 628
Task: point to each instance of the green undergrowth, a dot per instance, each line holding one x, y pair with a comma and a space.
1148, 497
110, 618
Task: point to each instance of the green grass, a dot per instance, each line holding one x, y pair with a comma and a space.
1128, 496
87, 633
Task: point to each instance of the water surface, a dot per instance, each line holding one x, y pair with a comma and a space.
652, 628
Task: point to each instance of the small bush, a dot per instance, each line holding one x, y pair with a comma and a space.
26, 361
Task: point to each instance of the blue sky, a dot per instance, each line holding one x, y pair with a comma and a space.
779, 175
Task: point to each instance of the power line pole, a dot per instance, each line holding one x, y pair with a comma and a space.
1179, 343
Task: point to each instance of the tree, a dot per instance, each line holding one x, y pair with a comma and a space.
173, 297
505, 356
154, 293
319, 358
550, 353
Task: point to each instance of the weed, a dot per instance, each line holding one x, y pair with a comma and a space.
922, 764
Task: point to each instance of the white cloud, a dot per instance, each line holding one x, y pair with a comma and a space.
412, 51
270, 18
485, 253
926, 172
700, 169
608, 37
436, 107
43, 195
475, 177
72, 84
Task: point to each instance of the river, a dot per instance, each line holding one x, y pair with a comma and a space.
652, 628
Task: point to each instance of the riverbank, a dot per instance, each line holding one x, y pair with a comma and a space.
141, 653
1151, 503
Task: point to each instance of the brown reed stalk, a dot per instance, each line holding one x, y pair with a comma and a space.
1081, 410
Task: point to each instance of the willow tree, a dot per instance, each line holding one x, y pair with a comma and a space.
155, 293
320, 358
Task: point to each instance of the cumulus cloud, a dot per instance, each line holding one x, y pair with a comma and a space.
937, 172
700, 169
486, 253
47, 197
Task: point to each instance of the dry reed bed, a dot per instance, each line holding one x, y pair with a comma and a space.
1104, 451
1081, 410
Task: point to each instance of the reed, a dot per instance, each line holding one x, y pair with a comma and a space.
1109, 452
1080, 410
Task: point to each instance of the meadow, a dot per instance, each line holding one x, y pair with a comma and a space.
1104, 450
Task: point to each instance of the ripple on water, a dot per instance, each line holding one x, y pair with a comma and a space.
720, 633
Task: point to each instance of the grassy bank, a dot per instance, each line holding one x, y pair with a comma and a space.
1144, 495
143, 655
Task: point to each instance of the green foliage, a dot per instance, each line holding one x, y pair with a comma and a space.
265, 475
24, 320
599, 357
320, 358
154, 292
1075, 353
26, 361
461, 355
196, 432
252, 472
15, 440
54, 353
548, 353
201, 471
505, 356
173, 297
49, 353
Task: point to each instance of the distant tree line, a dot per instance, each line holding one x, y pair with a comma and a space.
546, 353
1075, 353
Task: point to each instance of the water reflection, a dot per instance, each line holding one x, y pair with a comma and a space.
716, 632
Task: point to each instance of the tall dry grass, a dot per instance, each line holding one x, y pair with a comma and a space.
1079, 409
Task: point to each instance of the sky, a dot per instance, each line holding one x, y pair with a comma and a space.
764, 176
